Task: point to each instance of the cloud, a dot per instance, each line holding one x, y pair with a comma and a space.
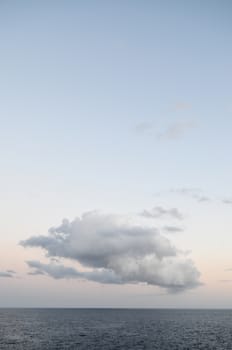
171, 132
172, 229
227, 201
199, 195
52, 269
203, 198
114, 251
8, 273
176, 130
143, 127
182, 106
194, 193
59, 271
160, 212
186, 190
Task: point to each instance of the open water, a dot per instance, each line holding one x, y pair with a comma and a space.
111, 329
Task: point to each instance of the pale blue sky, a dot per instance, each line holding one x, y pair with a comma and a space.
106, 103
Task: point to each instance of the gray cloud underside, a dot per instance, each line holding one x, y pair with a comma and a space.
59, 271
8, 273
116, 252
227, 201
160, 212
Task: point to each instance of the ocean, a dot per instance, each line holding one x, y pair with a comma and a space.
111, 329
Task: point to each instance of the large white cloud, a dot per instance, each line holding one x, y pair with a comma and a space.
116, 252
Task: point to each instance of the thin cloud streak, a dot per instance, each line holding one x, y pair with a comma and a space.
160, 212
194, 193
7, 274
173, 131
182, 106
143, 127
227, 201
176, 130
172, 229
199, 195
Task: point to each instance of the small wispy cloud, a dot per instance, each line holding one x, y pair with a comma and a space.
172, 229
7, 273
182, 106
160, 212
227, 201
172, 131
176, 130
143, 127
200, 196
194, 193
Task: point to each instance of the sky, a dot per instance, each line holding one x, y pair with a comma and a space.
115, 181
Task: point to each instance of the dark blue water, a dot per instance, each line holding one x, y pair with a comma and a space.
115, 329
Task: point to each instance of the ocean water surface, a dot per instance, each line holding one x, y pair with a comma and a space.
107, 329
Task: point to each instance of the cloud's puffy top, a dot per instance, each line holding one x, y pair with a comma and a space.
116, 252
